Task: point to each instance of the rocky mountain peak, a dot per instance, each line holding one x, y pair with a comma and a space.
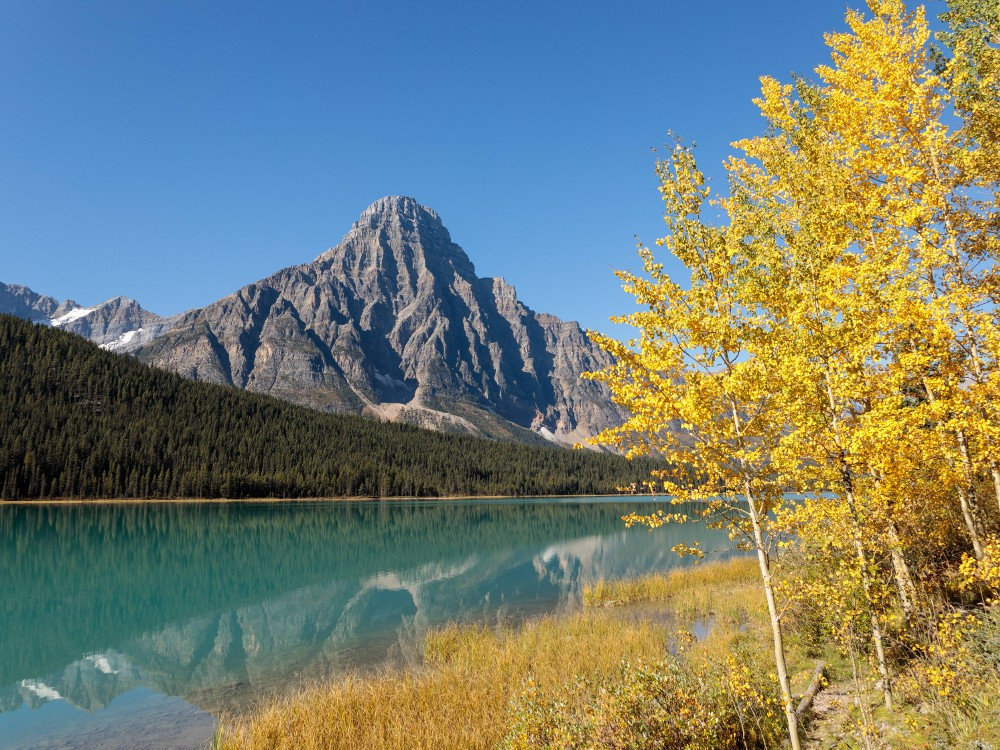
394, 322
119, 324
401, 206
398, 237
24, 303
65, 307
401, 216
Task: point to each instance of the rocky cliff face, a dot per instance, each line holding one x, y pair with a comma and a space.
119, 324
24, 303
394, 322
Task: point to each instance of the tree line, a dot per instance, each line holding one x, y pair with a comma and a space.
80, 422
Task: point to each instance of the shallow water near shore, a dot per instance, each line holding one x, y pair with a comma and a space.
133, 625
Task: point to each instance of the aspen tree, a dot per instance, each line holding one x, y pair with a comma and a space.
917, 233
934, 191
828, 309
840, 336
972, 73
696, 395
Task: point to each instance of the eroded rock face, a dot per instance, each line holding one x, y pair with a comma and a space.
24, 303
119, 324
394, 322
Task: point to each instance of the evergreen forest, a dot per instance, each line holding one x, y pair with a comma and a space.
80, 422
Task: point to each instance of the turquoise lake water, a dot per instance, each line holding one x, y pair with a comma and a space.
132, 626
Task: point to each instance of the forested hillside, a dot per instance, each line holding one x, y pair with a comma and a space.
82, 422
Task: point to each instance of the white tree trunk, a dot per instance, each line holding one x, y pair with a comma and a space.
772, 610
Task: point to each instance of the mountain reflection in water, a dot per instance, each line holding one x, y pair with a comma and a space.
222, 604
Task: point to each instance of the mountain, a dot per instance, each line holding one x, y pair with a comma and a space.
394, 322
24, 303
83, 422
119, 324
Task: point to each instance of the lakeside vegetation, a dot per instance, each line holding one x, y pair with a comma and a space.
80, 422
618, 675
966, 713
829, 327
591, 679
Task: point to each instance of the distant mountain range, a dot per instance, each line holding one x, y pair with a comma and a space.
119, 324
392, 322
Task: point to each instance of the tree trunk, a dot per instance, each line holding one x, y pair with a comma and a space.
866, 584
815, 685
847, 480
970, 523
904, 581
970, 478
995, 471
772, 610
963, 498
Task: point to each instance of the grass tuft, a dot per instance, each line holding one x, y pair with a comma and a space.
729, 590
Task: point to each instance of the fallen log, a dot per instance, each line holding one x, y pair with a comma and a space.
815, 685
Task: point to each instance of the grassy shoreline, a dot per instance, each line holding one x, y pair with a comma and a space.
472, 688
627, 671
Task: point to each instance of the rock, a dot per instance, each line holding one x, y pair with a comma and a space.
24, 303
394, 322
119, 324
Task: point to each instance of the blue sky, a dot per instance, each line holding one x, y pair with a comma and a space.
174, 151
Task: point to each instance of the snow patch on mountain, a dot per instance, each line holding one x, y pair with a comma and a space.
102, 664
389, 381
76, 314
546, 433
122, 341
40, 689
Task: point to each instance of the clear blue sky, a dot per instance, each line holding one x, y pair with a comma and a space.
174, 151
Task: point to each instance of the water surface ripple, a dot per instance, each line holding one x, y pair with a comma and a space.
131, 625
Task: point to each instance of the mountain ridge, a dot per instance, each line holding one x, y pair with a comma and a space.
117, 324
391, 322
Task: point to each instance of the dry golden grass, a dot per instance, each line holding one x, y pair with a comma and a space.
728, 590
461, 699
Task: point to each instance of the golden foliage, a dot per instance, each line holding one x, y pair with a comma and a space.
823, 378
835, 335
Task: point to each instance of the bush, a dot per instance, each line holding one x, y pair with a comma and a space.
657, 705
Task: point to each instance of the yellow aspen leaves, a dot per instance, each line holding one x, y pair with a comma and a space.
835, 333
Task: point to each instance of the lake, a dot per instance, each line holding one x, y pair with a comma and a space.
133, 625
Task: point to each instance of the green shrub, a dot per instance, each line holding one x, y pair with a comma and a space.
663, 705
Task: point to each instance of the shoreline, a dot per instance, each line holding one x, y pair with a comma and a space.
471, 690
349, 499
